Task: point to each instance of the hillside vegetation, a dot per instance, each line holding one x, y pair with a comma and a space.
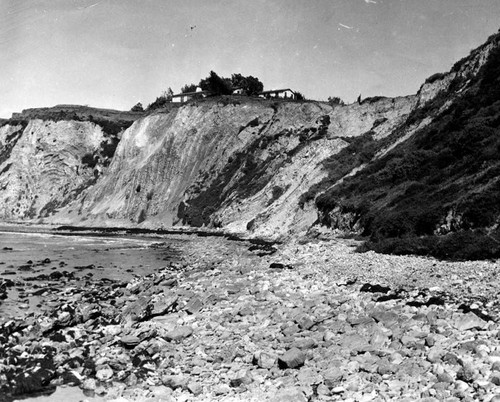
438, 193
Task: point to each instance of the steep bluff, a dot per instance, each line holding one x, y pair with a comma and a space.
225, 163
42, 165
49, 156
437, 192
269, 168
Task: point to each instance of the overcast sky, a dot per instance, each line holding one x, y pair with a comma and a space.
115, 53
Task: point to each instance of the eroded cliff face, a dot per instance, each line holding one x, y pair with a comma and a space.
41, 165
241, 166
273, 211
161, 156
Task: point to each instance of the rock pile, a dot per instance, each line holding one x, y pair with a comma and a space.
226, 324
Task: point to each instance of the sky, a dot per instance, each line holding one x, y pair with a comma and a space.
115, 53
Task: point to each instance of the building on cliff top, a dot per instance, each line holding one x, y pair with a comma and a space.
184, 97
285, 93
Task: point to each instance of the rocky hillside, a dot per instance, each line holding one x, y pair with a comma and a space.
421, 165
48, 156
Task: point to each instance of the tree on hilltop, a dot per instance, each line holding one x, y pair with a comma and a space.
162, 100
189, 88
216, 85
137, 108
168, 94
250, 85
299, 96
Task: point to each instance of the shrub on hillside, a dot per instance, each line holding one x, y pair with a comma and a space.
160, 101
435, 77
335, 101
450, 165
466, 245
137, 108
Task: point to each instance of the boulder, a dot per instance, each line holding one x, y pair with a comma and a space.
195, 388
175, 381
264, 359
293, 358
179, 333
242, 377
130, 341
194, 305
469, 321
289, 394
104, 373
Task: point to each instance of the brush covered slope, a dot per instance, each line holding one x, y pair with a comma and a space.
438, 192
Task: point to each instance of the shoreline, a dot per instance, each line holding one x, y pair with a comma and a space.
310, 320
111, 231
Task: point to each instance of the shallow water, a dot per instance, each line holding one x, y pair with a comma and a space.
25, 255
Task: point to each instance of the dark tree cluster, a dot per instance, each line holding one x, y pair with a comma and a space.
217, 85
137, 108
189, 88
250, 85
161, 100
335, 100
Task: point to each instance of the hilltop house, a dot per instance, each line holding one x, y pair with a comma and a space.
184, 97
285, 93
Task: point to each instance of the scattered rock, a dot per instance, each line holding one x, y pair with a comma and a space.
195, 388
212, 330
161, 304
332, 377
242, 377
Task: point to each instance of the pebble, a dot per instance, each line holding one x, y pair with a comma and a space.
209, 328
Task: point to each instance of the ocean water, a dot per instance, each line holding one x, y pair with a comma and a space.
27, 254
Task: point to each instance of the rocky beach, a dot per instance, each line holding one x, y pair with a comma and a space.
225, 320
